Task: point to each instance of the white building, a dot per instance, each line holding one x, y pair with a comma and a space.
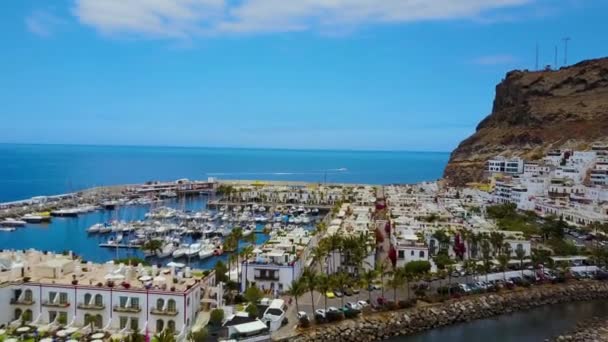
501, 164
55, 289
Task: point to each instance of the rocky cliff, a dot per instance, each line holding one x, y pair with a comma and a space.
534, 112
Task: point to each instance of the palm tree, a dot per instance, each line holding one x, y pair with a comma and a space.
485, 252
520, 253
198, 336
297, 289
309, 278
246, 253
341, 281
503, 261
367, 279
382, 270
153, 246
497, 240
396, 281
165, 336
323, 285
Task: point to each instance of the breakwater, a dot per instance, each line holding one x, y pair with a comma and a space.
384, 325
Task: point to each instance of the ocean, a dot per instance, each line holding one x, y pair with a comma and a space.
32, 170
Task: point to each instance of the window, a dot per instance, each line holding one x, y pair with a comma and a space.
52, 296
18, 313
135, 302
87, 299
412, 253
63, 318
52, 316
28, 295
63, 298
123, 301
27, 315
98, 321
134, 323
171, 326
160, 303
401, 254
422, 254
160, 325
171, 307
88, 319
123, 322
98, 300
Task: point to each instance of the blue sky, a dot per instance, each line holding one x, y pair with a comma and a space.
337, 74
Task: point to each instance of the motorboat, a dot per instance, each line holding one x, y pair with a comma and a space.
32, 218
71, 212
10, 222
95, 228
207, 251
180, 251
193, 250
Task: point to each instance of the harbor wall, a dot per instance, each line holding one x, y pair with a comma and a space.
383, 325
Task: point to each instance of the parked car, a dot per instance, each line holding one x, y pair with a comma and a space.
303, 319
362, 303
348, 291
465, 288
333, 314
352, 306
373, 287
329, 294
320, 316
356, 290
338, 293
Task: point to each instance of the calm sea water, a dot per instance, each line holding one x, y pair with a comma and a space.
31, 170
529, 326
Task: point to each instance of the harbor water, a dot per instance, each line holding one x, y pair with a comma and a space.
33, 170
69, 233
535, 325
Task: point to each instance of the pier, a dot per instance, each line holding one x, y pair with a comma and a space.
214, 204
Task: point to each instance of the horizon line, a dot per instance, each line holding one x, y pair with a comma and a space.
221, 147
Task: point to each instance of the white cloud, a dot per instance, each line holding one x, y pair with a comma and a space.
187, 18
42, 23
495, 60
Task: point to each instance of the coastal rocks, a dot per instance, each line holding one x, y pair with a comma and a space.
593, 330
382, 325
535, 112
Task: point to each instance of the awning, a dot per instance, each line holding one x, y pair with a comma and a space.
251, 327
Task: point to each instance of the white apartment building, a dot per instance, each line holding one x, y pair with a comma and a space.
277, 263
55, 289
501, 164
408, 246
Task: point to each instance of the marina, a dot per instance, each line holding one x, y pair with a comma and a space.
158, 228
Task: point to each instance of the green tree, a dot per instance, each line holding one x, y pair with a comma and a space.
382, 270
297, 289
165, 336
220, 272
503, 261
253, 294
520, 253
323, 285
216, 317
152, 246
309, 278
199, 335
367, 279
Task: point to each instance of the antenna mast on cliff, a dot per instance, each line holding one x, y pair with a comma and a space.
555, 59
566, 40
536, 65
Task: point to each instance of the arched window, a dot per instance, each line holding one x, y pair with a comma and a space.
88, 319
27, 315
171, 307
171, 326
18, 313
160, 303
160, 325
28, 295
87, 298
98, 321
98, 300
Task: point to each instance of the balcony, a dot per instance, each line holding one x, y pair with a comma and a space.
266, 277
17, 301
167, 312
128, 309
48, 303
84, 306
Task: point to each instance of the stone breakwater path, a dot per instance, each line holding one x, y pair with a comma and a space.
591, 330
383, 325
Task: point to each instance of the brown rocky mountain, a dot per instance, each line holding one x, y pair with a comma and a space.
534, 112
